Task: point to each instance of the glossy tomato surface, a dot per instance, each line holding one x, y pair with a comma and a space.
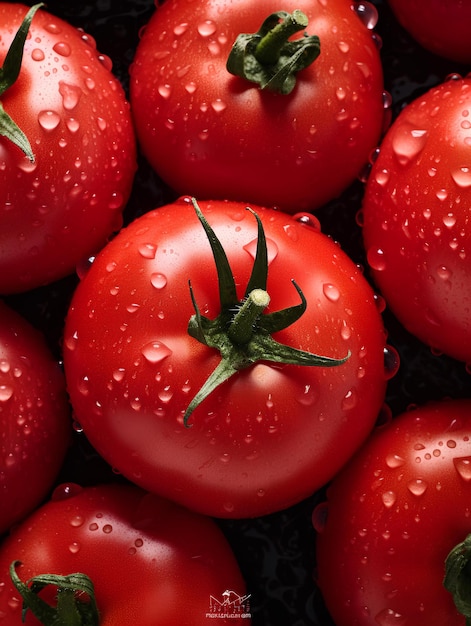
393, 515
214, 135
270, 435
416, 218
63, 206
151, 562
441, 27
35, 425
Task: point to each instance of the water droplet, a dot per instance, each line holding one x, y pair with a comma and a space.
376, 259
417, 487
147, 250
272, 249
6, 392
228, 507
331, 292
207, 28
156, 351
65, 491
62, 48
408, 142
382, 177
165, 90
462, 176
389, 499
53, 28
158, 280
394, 460
93, 526
308, 220
107, 529
37, 54
74, 547
463, 467
190, 87
367, 13
218, 105
308, 396
391, 362
70, 95
48, 120
180, 29
319, 516
165, 395
72, 124
389, 617
349, 401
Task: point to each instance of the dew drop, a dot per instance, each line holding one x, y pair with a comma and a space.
462, 177
72, 124
367, 13
165, 395
391, 362
6, 392
147, 250
463, 467
48, 120
158, 280
74, 547
164, 90
180, 29
70, 95
62, 48
349, 401
65, 491
331, 292
308, 220
376, 260
37, 54
156, 351
190, 87
417, 486
389, 499
394, 461
272, 249
389, 617
207, 28
107, 529
308, 397
408, 142
218, 105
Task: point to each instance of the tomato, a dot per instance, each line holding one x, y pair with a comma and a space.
35, 422
393, 515
442, 28
272, 433
215, 135
150, 561
62, 206
416, 218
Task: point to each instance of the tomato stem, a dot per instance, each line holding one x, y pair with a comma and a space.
457, 578
242, 330
76, 605
269, 58
8, 76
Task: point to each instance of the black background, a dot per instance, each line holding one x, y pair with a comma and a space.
276, 553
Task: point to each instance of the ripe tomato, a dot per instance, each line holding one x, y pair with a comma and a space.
393, 515
440, 27
150, 561
215, 135
416, 218
35, 422
61, 207
271, 434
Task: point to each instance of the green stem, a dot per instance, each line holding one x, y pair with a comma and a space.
242, 326
270, 46
457, 578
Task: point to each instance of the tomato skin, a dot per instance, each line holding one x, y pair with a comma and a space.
35, 424
440, 27
269, 436
416, 219
62, 208
151, 561
394, 513
212, 135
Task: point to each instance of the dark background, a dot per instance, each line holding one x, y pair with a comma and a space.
276, 552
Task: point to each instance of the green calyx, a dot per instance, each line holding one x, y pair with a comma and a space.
75, 606
269, 58
242, 331
8, 75
457, 578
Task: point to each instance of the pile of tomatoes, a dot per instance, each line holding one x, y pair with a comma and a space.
235, 324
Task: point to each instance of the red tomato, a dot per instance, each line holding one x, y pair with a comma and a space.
62, 207
273, 433
35, 422
440, 27
416, 218
214, 135
151, 561
393, 515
